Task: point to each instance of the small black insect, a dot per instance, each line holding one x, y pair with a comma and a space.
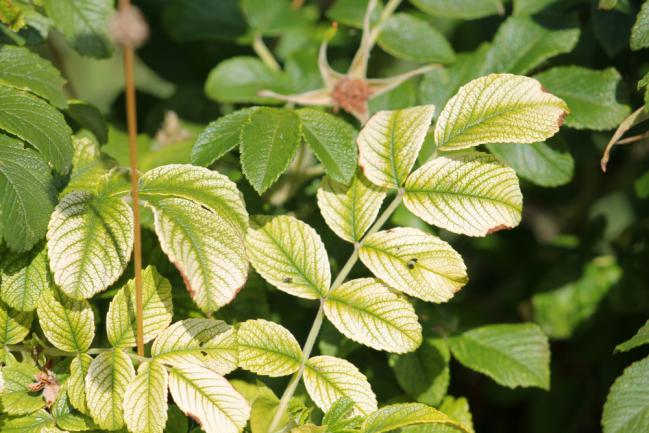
411, 263
288, 280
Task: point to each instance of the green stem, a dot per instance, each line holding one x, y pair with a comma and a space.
53, 351
317, 322
264, 53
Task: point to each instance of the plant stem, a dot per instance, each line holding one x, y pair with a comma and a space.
131, 120
264, 53
53, 351
317, 322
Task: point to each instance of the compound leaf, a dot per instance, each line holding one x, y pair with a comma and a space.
471, 193
157, 311
415, 262
290, 255
499, 108
268, 349
389, 143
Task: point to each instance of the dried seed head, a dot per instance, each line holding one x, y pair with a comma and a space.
129, 28
351, 94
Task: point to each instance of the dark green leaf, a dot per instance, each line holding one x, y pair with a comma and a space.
640, 30
463, 9
410, 38
25, 70
639, 339
89, 117
271, 18
530, 7
204, 20
27, 195
219, 137
352, 12
591, 95
332, 140
537, 162
240, 79
521, 44
268, 142
38, 123
84, 23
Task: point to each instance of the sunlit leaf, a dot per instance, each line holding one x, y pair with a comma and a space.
24, 278
68, 324
627, 404
268, 349
145, 400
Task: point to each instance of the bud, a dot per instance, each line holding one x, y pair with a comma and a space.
128, 27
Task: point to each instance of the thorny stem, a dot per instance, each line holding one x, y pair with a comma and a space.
317, 322
131, 120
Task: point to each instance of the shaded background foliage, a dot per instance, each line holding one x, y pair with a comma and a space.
577, 265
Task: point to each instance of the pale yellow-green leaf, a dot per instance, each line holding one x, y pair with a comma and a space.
14, 325
328, 379
157, 309
349, 210
415, 262
77, 382
290, 255
207, 342
24, 278
69, 324
268, 349
396, 416
366, 311
198, 184
209, 399
108, 376
471, 193
145, 401
499, 108
389, 143
89, 242
204, 247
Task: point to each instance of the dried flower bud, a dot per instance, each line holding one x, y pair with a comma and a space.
128, 27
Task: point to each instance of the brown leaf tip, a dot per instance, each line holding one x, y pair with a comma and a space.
498, 228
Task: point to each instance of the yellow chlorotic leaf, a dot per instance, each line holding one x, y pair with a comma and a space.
268, 349
499, 108
395, 416
290, 255
145, 401
108, 376
209, 399
157, 311
349, 210
415, 262
207, 342
471, 193
327, 379
366, 311
77, 382
389, 143
67, 323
